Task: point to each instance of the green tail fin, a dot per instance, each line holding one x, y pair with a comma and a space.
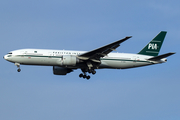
154, 46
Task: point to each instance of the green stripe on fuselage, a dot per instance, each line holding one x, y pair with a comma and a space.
110, 59
125, 60
39, 56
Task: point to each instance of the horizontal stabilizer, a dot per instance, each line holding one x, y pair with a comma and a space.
156, 58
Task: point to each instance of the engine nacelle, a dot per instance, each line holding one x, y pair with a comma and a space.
60, 70
69, 60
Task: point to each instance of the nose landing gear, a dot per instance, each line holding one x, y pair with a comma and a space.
18, 66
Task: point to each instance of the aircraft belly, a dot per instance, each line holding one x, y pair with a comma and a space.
118, 64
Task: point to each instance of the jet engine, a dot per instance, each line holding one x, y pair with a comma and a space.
60, 70
68, 60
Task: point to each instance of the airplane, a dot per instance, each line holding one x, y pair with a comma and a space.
65, 61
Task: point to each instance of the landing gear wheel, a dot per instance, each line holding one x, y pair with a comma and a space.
84, 76
88, 77
81, 75
90, 71
19, 70
93, 72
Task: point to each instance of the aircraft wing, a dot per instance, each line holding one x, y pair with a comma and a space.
102, 51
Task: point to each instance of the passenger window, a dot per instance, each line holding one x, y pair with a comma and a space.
35, 51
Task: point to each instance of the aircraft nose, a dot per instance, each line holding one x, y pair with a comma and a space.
5, 57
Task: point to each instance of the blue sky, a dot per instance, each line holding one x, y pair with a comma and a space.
150, 92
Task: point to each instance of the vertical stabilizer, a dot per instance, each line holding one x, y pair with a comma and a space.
154, 46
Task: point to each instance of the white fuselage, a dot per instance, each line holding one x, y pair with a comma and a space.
47, 57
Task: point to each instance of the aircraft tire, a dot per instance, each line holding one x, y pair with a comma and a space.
88, 77
81, 75
84, 76
93, 72
19, 70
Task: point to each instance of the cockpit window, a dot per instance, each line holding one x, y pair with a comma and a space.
10, 53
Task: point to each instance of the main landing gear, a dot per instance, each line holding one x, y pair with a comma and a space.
84, 75
18, 66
